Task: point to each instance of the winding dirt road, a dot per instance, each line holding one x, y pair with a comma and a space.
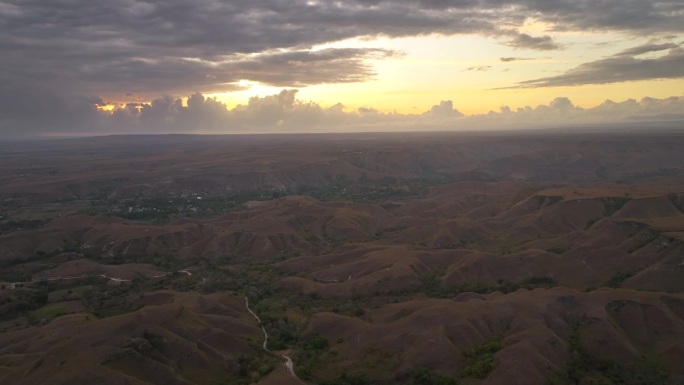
289, 365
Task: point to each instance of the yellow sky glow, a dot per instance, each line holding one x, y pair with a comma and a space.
468, 70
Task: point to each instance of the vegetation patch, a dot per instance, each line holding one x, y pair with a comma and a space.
349, 379
47, 313
433, 287
619, 277
379, 360
422, 376
21, 301
546, 200
537, 281
310, 355
21, 224
479, 360
425, 376
613, 205
252, 368
558, 250
584, 368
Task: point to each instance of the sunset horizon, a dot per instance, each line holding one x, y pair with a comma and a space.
298, 66
342, 192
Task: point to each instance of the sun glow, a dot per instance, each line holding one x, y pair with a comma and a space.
107, 107
475, 72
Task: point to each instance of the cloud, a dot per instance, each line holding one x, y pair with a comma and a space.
542, 43
561, 112
37, 109
512, 59
55, 53
171, 46
272, 113
302, 68
622, 67
640, 50
148, 46
285, 113
658, 16
479, 68
445, 109
148, 77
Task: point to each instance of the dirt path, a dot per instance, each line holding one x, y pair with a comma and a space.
115, 279
289, 365
48, 279
93, 275
265, 345
185, 271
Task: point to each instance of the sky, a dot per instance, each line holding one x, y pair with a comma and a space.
83, 67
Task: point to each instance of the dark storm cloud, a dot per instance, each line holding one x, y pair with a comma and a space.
620, 15
123, 45
159, 47
655, 16
301, 68
621, 67
177, 75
